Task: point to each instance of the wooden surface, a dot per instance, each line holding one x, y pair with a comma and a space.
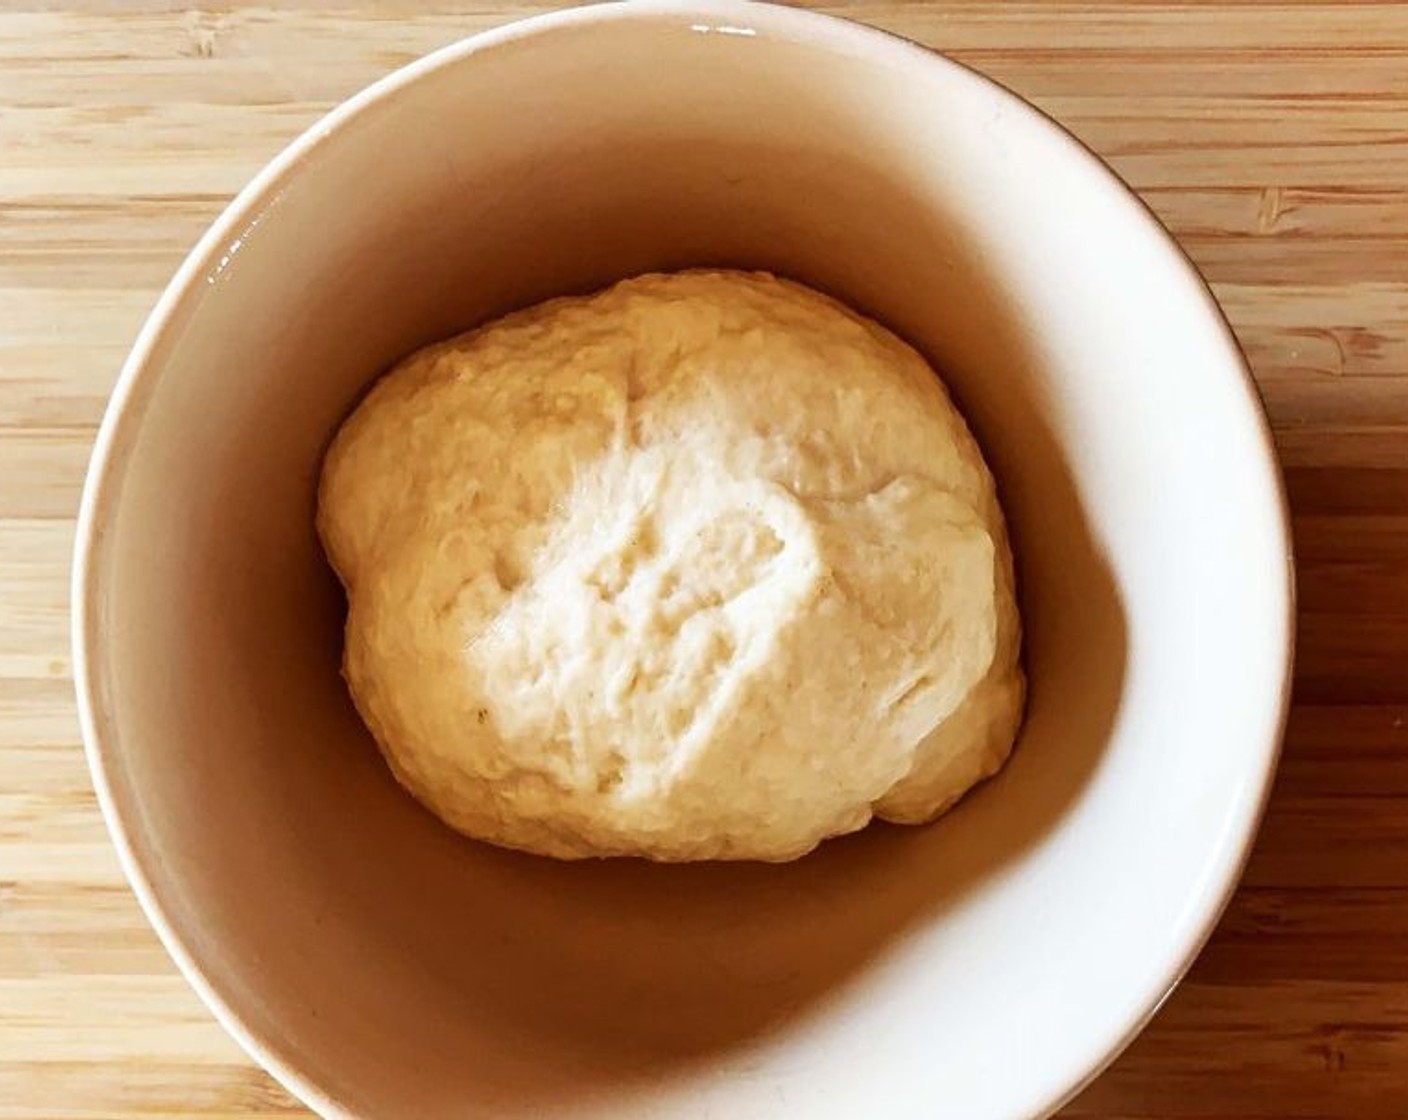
1271, 137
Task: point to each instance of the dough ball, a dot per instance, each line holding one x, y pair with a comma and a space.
703, 566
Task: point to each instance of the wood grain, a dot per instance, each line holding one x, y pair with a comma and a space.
1271, 137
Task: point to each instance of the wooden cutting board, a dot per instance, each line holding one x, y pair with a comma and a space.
1271, 137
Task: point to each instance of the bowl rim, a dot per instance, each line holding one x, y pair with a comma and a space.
124, 409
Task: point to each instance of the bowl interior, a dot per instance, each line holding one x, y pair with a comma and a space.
388, 968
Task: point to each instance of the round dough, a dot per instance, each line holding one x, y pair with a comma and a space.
703, 566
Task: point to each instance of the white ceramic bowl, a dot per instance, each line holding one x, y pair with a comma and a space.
983, 967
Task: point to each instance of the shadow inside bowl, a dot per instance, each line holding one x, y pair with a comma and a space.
387, 958
619, 971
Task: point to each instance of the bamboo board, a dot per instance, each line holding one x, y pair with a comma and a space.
1271, 137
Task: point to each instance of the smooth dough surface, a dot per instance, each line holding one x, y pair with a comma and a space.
703, 566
